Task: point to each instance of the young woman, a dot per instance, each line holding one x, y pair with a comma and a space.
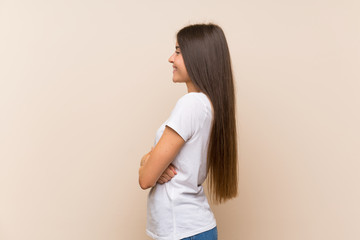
198, 139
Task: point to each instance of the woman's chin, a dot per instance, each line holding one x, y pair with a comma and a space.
175, 80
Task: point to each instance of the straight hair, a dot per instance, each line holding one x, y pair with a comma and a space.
207, 60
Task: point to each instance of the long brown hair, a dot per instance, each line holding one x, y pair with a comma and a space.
207, 60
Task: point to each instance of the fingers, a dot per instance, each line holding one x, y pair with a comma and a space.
167, 175
172, 168
162, 180
165, 178
170, 172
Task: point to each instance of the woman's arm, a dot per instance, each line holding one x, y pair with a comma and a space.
167, 175
160, 158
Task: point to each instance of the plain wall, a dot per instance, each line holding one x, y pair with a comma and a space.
84, 85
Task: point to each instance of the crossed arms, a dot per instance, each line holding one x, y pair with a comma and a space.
155, 166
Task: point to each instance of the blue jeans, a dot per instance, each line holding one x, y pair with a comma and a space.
212, 234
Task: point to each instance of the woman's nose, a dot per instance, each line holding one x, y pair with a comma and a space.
171, 58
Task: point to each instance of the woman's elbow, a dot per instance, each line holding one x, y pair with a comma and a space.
145, 181
145, 185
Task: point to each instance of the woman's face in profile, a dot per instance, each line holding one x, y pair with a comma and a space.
179, 70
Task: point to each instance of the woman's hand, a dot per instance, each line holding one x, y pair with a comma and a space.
167, 175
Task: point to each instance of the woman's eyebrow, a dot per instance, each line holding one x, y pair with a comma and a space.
176, 47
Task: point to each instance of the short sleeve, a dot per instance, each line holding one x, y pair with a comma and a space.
184, 118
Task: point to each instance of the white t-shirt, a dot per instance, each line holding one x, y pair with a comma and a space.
179, 208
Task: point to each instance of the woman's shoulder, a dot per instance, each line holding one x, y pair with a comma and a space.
196, 100
193, 97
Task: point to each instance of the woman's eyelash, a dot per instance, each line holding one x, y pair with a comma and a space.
177, 52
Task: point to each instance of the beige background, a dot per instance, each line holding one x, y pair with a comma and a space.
84, 85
